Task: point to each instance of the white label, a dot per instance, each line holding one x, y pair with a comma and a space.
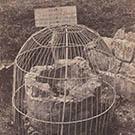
55, 16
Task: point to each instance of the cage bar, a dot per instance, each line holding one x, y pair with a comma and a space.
61, 84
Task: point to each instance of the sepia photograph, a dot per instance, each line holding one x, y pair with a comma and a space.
67, 67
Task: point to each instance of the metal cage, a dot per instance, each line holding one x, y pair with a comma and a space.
60, 85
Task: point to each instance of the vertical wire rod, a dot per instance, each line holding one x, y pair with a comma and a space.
65, 90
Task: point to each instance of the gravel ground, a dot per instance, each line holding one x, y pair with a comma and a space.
6, 127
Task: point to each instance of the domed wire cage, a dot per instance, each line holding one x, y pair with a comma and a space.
60, 86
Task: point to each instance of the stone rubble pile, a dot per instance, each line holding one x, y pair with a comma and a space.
45, 97
124, 43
